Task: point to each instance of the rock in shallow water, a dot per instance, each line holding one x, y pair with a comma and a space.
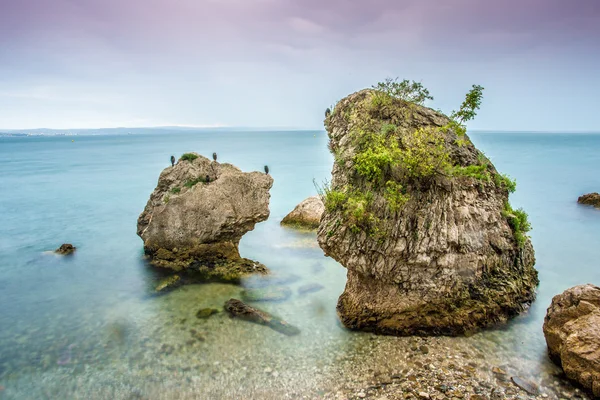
590, 199
310, 288
66, 249
426, 254
572, 332
243, 311
205, 313
191, 222
306, 215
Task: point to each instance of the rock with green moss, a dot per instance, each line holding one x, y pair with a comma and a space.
210, 207
167, 284
306, 215
420, 218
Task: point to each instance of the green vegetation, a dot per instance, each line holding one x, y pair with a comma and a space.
191, 182
504, 181
166, 199
176, 190
395, 195
188, 157
518, 221
411, 91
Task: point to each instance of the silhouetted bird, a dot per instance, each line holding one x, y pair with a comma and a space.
215, 156
266, 169
207, 179
327, 112
172, 161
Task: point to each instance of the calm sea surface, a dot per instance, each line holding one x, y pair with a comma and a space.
87, 327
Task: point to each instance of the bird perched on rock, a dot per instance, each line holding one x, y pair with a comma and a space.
172, 161
215, 156
327, 112
267, 169
207, 179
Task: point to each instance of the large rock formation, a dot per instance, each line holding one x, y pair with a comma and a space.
421, 220
306, 215
197, 215
590, 199
572, 331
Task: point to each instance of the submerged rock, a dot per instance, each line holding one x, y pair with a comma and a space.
572, 332
271, 293
205, 313
167, 284
590, 199
429, 240
310, 288
526, 385
65, 249
243, 311
275, 279
306, 215
197, 215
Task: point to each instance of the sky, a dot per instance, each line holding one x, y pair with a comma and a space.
280, 63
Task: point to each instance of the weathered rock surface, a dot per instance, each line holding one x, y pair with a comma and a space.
572, 331
243, 311
306, 215
65, 249
447, 261
198, 213
590, 199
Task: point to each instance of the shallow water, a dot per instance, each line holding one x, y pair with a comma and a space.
87, 327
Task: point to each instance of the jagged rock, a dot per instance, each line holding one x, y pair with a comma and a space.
572, 331
198, 213
65, 249
436, 254
271, 293
590, 199
243, 311
306, 215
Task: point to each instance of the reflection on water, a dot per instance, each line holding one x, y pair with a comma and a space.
88, 327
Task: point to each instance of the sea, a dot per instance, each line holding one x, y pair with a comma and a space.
89, 326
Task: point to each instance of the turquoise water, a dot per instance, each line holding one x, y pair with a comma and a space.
87, 327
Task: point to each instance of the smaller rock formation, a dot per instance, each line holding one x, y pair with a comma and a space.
198, 213
65, 249
590, 199
243, 311
572, 331
306, 215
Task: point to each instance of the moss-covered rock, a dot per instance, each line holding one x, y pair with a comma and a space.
420, 218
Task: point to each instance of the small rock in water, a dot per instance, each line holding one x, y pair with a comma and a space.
168, 283
424, 349
275, 374
526, 385
274, 293
243, 311
310, 288
268, 370
204, 313
66, 249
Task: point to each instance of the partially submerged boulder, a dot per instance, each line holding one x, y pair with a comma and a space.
198, 213
65, 249
421, 220
306, 215
238, 309
590, 199
572, 331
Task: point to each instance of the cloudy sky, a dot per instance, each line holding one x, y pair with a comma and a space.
273, 63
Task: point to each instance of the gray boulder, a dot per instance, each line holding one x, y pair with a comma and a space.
197, 215
306, 215
572, 332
